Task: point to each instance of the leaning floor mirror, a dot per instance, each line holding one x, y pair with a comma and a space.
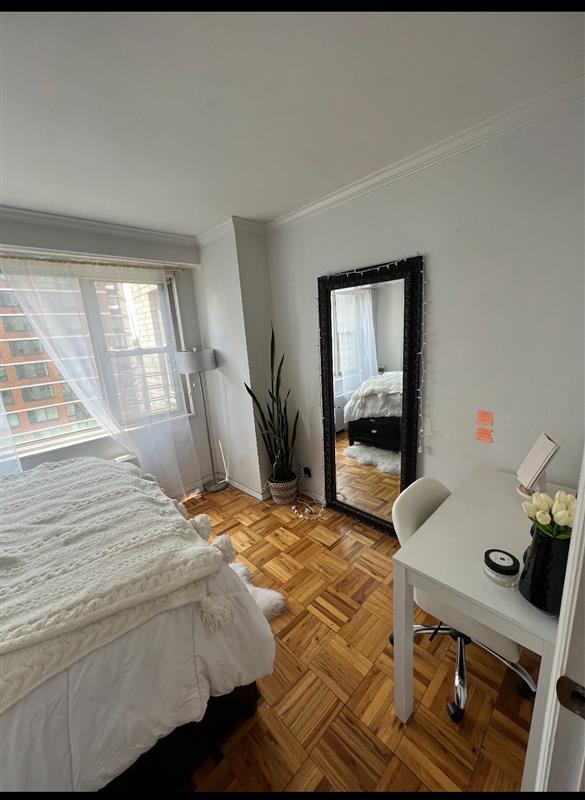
370, 334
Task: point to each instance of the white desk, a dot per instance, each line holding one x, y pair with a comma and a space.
445, 559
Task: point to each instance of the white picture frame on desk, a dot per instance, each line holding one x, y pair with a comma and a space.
531, 473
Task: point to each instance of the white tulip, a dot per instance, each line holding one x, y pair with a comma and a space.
542, 501
529, 509
561, 517
547, 499
570, 519
571, 501
558, 506
561, 497
543, 517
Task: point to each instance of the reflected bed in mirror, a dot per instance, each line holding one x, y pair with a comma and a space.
370, 343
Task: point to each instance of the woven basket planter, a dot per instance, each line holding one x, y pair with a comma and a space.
284, 492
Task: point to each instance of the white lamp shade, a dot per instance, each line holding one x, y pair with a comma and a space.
193, 361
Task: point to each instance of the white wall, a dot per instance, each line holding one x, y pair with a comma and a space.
256, 302
389, 324
501, 230
53, 232
236, 330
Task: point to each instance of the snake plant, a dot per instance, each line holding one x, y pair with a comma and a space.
278, 437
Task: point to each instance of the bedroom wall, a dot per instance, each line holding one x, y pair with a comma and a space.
389, 324
233, 304
501, 230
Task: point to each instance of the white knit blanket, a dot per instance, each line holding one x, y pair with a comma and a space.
89, 549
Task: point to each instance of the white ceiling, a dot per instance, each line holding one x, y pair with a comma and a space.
175, 121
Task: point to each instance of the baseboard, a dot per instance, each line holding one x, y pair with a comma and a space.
248, 490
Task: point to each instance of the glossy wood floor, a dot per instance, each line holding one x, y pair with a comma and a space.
364, 486
326, 720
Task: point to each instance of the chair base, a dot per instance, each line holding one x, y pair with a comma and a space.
456, 707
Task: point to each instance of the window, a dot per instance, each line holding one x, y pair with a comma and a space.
77, 411
42, 392
8, 299
35, 426
67, 391
7, 397
36, 369
26, 347
128, 348
16, 323
345, 347
42, 414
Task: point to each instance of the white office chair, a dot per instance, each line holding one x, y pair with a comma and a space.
413, 507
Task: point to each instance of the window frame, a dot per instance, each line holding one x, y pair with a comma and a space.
105, 359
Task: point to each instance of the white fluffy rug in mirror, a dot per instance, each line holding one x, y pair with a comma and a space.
384, 460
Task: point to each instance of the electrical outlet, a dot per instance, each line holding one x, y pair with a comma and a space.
307, 472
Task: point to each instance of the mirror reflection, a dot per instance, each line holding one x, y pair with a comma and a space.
367, 347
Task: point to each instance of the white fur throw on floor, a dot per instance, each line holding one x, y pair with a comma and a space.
384, 460
270, 603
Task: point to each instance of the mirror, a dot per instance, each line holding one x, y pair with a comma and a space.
370, 357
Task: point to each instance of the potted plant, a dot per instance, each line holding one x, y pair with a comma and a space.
278, 437
545, 561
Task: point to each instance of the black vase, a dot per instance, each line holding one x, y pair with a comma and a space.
543, 575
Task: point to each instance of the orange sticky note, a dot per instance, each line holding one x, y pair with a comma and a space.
484, 435
484, 418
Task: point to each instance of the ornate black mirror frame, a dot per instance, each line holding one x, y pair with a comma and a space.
412, 271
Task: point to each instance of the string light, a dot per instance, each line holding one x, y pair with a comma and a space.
422, 368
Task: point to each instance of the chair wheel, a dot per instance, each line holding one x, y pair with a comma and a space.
391, 639
455, 712
525, 691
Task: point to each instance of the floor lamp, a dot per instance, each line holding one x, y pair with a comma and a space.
195, 362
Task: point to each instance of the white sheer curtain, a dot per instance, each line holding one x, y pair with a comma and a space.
9, 460
108, 330
354, 339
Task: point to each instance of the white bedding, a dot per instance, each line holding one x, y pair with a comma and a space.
90, 549
86, 725
110, 601
379, 396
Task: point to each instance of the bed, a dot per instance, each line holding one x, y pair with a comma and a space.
373, 413
81, 706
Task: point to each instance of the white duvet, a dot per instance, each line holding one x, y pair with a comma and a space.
86, 725
89, 550
379, 396
106, 639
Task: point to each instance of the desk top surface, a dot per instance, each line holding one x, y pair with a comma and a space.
484, 512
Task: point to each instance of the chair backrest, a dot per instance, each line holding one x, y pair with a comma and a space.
415, 505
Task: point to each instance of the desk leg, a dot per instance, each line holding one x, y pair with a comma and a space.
537, 724
402, 644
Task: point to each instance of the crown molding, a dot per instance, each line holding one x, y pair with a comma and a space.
23, 215
521, 116
230, 226
216, 232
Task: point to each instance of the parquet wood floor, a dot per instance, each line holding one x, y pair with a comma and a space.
364, 486
326, 721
